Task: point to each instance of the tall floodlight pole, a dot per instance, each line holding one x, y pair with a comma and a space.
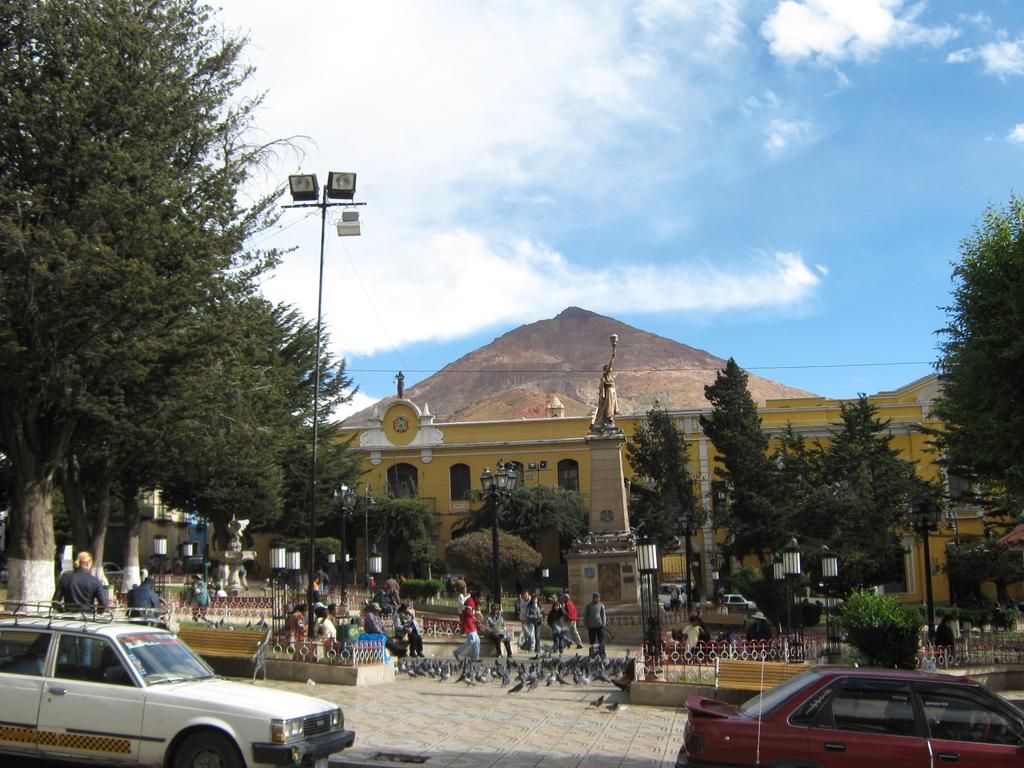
305, 192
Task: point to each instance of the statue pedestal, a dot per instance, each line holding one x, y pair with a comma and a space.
233, 559
605, 563
609, 512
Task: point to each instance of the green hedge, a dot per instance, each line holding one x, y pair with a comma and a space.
421, 589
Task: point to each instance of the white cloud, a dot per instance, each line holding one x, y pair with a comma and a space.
1001, 58
1016, 134
469, 124
450, 284
781, 135
837, 30
359, 401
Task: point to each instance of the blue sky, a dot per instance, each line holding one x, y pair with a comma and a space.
781, 182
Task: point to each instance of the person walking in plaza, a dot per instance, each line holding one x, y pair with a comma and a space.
526, 638
595, 618
467, 623
572, 615
534, 619
324, 632
296, 624
198, 597
495, 630
78, 589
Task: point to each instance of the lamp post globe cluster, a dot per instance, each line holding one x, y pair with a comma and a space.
925, 516
496, 487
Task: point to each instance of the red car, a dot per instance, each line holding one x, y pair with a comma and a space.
852, 718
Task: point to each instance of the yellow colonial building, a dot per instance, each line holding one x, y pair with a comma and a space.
406, 452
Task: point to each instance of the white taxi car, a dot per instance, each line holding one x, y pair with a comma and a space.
114, 692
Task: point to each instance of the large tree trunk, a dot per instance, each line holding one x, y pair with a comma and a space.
99, 529
35, 450
130, 506
70, 477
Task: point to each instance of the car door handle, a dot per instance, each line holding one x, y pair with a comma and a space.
949, 757
834, 746
57, 691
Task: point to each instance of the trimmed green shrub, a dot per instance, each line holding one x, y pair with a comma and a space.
421, 589
552, 591
1004, 618
884, 633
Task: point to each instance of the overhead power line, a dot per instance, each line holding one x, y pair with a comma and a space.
644, 370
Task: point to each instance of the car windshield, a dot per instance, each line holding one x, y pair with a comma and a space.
766, 702
159, 657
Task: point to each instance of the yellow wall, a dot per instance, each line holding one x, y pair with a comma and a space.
406, 434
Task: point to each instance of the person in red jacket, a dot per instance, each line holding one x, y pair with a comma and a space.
571, 617
467, 623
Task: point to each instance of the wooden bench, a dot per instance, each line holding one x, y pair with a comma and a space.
223, 643
754, 675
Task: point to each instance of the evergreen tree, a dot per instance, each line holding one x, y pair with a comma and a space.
982, 357
123, 146
662, 503
757, 520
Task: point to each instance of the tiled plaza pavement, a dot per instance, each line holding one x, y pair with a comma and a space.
482, 726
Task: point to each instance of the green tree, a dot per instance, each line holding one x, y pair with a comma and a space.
124, 147
757, 521
407, 529
981, 363
663, 504
532, 512
472, 555
863, 492
969, 563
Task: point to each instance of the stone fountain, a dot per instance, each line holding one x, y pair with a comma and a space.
234, 556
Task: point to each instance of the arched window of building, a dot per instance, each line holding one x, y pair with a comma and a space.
403, 481
569, 475
461, 482
519, 469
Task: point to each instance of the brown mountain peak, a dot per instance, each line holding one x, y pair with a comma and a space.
562, 356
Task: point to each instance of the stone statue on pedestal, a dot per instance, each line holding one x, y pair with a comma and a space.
607, 400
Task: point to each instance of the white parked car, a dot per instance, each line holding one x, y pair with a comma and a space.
736, 602
665, 594
129, 693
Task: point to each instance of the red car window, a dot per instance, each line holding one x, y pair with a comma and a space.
954, 715
879, 709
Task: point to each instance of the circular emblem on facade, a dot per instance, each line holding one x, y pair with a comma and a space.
401, 424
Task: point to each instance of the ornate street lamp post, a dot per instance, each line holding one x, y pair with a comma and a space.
159, 558
345, 498
829, 573
925, 515
497, 487
278, 609
647, 564
791, 570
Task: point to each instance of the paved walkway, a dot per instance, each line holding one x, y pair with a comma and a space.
482, 726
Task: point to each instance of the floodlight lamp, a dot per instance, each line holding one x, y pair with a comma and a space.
376, 564
791, 558
332, 558
294, 561
341, 185
829, 563
647, 556
304, 187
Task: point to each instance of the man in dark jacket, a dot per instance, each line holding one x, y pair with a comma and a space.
78, 589
759, 630
143, 596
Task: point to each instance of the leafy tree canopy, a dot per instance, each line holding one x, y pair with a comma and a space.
408, 528
532, 512
982, 355
471, 554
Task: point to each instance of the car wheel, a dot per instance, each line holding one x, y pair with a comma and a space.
207, 750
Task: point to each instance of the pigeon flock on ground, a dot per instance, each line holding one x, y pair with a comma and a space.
523, 676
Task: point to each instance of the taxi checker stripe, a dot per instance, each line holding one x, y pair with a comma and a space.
68, 740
